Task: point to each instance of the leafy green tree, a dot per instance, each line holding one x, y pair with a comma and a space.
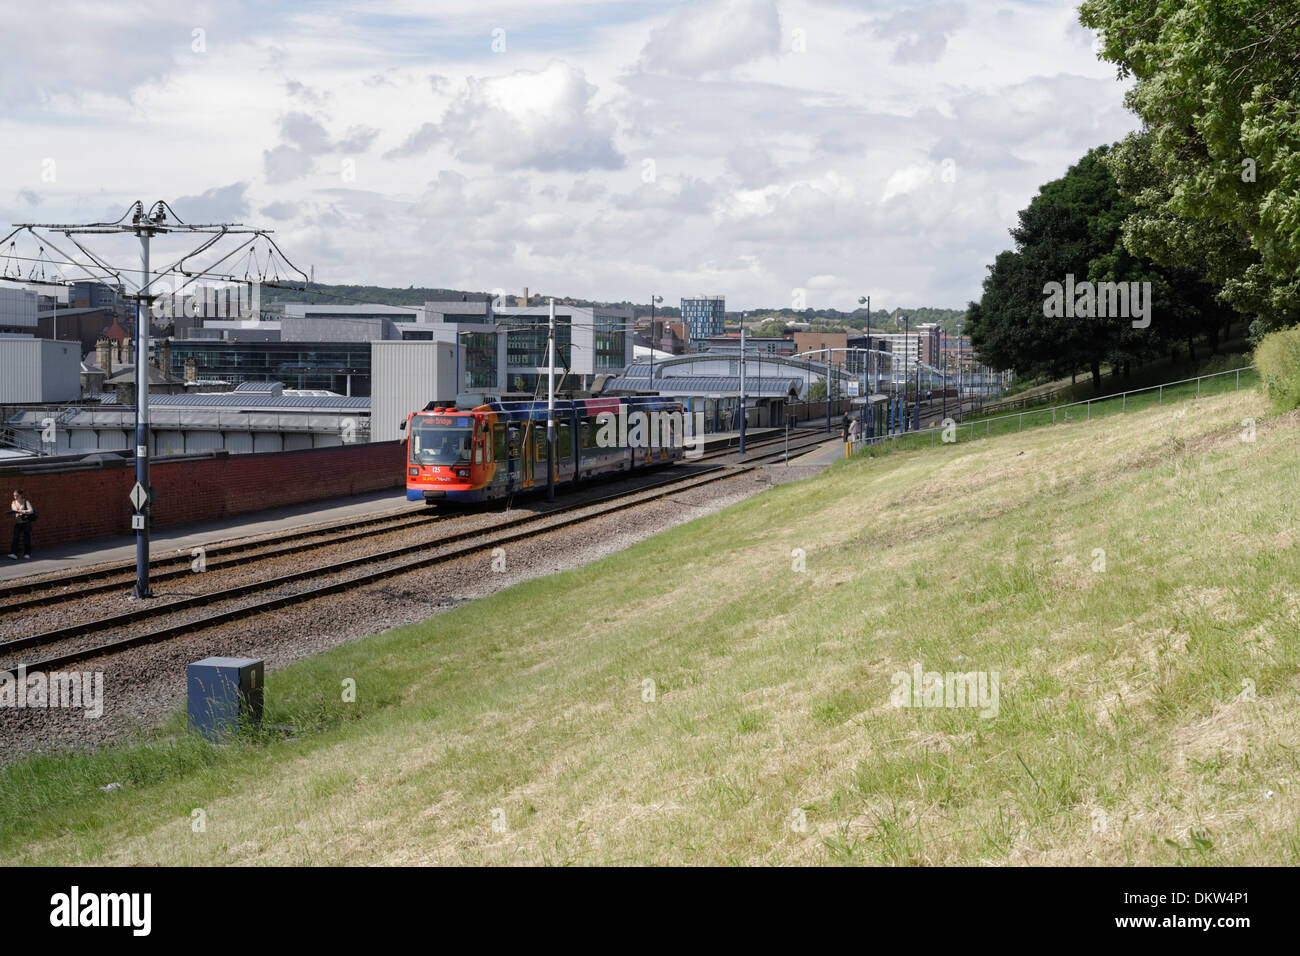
1215, 173
1074, 228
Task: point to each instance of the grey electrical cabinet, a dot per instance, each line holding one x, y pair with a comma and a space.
222, 692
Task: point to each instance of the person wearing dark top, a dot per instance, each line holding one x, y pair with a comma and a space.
23, 514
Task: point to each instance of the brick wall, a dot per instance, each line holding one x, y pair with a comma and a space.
77, 505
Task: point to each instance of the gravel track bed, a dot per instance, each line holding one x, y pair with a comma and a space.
143, 684
486, 523
64, 613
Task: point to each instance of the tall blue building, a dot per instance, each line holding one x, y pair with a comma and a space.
702, 317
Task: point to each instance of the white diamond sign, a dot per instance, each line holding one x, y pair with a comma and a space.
139, 496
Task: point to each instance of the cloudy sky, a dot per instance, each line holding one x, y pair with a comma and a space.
607, 150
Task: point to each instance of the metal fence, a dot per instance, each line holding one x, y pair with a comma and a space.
1059, 412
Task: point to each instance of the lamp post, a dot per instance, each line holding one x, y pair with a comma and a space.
866, 369
550, 403
653, 300
906, 354
943, 364
828, 391
742, 385
916, 422
960, 370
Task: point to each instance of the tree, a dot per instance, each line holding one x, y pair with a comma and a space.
1215, 174
1071, 236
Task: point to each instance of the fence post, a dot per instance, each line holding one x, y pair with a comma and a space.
1198, 386
1089, 411
1238, 388
1053, 414
1123, 402
1161, 399
1022, 422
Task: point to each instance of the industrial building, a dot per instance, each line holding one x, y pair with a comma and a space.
38, 370
407, 375
342, 367
463, 360
17, 310
252, 418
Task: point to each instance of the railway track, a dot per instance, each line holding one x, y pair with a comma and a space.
110, 579
381, 566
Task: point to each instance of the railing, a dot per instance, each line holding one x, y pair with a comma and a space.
1062, 411
1023, 400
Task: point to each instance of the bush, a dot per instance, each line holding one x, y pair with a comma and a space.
1278, 359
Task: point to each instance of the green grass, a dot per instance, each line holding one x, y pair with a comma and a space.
1232, 353
1007, 423
694, 699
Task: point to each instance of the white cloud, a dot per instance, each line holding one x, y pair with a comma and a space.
772, 168
540, 119
714, 36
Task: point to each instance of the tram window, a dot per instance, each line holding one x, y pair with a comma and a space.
478, 453
566, 442
499, 442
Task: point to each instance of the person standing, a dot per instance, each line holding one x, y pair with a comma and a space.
24, 513
855, 431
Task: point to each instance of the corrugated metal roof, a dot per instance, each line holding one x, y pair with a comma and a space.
258, 400
704, 385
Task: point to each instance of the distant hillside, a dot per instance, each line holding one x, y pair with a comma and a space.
769, 321
827, 319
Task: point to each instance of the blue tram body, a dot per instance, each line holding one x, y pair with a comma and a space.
499, 449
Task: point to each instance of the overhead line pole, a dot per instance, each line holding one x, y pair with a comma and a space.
742, 384
550, 404
143, 502
144, 227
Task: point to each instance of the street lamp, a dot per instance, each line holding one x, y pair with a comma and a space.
866, 369
653, 300
742, 385
960, 370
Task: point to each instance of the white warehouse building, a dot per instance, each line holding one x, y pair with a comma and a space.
38, 370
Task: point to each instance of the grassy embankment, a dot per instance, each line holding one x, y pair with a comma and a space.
1147, 712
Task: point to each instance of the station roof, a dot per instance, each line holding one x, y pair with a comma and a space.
703, 386
260, 400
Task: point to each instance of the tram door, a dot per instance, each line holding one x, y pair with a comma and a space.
513, 452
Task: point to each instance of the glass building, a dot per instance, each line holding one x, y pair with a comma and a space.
342, 367
479, 352
703, 316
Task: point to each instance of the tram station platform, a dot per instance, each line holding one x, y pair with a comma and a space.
184, 538
826, 453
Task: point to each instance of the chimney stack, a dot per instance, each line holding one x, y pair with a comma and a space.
524, 301
191, 371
